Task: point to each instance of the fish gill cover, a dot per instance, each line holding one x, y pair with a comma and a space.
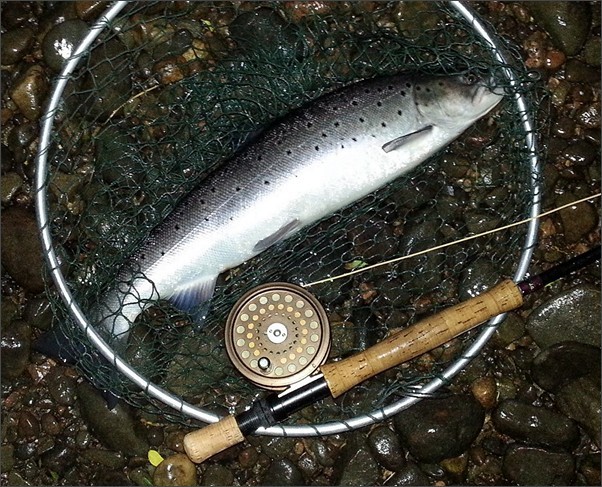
170, 90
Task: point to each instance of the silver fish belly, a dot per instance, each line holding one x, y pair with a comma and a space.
319, 159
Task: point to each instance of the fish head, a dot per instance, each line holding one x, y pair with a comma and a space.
455, 100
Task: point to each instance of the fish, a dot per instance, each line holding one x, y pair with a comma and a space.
316, 160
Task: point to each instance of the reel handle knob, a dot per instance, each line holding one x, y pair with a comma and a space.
214, 438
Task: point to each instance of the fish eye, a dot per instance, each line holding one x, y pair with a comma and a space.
470, 78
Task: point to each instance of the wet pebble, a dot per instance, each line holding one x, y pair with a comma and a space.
15, 347
479, 276
535, 425
28, 92
567, 23
510, 330
563, 362
579, 72
50, 425
7, 457
61, 41
478, 221
59, 458
526, 465
175, 470
21, 248
217, 474
110, 459
326, 454
484, 389
10, 184
580, 153
114, 428
591, 51
409, 475
62, 386
38, 313
283, 472
15, 44
440, 428
580, 400
28, 427
570, 315
386, 449
577, 220
358, 467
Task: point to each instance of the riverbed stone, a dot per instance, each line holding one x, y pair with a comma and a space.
358, 466
568, 23
28, 92
535, 425
580, 400
217, 474
15, 347
386, 449
577, 220
563, 362
15, 44
409, 475
439, 428
573, 315
176, 470
60, 42
526, 465
283, 472
21, 248
114, 428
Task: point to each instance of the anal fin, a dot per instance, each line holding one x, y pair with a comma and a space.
193, 294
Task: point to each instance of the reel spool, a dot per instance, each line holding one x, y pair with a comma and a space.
277, 334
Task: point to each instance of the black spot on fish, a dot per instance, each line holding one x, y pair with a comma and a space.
342, 146
440, 83
383, 124
324, 135
354, 139
335, 108
317, 147
266, 182
336, 124
390, 87
309, 124
162, 253
259, 158
380, 90
362, 120
237, 188
408, 85
354, 103
143, 256
399, 112
213, 190
202, 203
206, 219
418, 88
379, 103
403, 93
367, 90
279, 142
288, 152
177, 227
428, 90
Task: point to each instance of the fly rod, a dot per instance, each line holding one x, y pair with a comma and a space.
336, 378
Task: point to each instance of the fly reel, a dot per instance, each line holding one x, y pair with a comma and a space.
277, 334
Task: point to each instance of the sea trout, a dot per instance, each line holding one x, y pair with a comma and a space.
317, 160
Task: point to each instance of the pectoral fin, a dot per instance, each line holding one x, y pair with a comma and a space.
280, 234
404, 139
193, 294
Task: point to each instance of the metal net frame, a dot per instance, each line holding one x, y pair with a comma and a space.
299, 259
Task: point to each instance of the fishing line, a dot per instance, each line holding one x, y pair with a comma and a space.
449, 244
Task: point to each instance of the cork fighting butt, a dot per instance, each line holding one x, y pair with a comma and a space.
212, 439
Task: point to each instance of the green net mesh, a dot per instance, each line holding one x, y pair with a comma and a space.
170, 90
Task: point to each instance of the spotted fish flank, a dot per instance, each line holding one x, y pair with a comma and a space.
317, 160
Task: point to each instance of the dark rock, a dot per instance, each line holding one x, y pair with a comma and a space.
29, 426
38, 313
106, 458
571, 315
217, 474
385, 447
358, 467
60, 42
440, 428
283, 472
50, 425
114, 428
273, 446
15, 347
325, 453
535, 425
175, 470
62, 387
15, 44
28, 92
308, 466
59, 458
525, 465
564, 362
591, 51
7, 457
10, 184
21, 249
568, 23
581, 153
579, 72
479, 276
580, 400
511, 329
409, 475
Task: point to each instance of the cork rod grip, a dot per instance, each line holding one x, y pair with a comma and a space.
206, 442
421, 337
